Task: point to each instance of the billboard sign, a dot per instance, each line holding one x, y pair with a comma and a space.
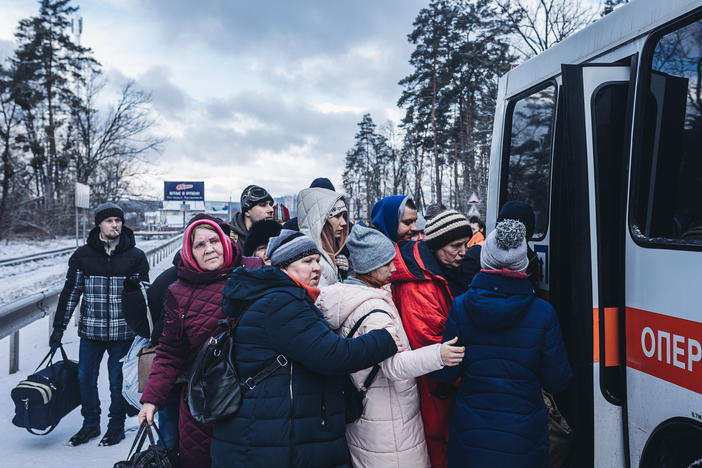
184, 191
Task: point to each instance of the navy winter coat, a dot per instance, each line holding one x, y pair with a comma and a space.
295, 417
513, 349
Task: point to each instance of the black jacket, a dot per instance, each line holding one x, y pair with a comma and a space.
135, 308
240, 233
99, 278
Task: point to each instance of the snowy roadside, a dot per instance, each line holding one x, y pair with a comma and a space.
20, 449
29, 277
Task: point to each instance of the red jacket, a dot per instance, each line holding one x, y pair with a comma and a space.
423, 298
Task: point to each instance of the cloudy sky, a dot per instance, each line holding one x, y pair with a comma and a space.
249, 92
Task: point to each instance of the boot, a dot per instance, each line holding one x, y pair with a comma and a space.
84, 435
112, 437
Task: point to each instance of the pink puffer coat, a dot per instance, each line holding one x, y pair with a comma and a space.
390, 432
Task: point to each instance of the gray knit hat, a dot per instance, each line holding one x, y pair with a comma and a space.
421, 222
369, 249
288, 247
446, 227
108, 210
505, 247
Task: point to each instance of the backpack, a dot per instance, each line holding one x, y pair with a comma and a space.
214, 388
354, 397
46, 396
155, 456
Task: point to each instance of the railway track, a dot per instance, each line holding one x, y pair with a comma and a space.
37, 256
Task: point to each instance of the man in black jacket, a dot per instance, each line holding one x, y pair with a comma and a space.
97, 271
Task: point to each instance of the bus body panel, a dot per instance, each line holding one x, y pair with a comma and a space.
664, 282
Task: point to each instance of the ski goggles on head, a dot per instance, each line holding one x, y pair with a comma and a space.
252, 196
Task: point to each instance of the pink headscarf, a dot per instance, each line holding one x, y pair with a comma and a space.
186, 252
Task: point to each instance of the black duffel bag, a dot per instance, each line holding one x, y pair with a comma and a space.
155, 456
46, 396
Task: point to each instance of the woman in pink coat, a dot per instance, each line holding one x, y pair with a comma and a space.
390, 431
193, 308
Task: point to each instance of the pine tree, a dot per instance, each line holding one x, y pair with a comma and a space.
9, 120
424, 89
366, 167
49, 67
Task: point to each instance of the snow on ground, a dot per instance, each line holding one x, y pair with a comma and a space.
19, 248
23, 279
21, 449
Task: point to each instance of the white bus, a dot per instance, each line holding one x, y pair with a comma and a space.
602, 135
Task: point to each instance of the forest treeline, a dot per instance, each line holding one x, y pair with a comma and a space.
55, 129
440, 150
59, 125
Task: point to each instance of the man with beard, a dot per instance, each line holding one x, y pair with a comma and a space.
97, 271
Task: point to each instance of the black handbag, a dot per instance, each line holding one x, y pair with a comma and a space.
214, 388
560, 434
155, 456
354, 397
46, 396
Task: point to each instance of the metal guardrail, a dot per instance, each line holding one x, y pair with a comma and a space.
37, 256
18, 314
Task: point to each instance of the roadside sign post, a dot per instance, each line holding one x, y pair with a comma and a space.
184, 192
82, 196
473, 201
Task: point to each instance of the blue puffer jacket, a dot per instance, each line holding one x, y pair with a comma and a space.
513, 348
295, 417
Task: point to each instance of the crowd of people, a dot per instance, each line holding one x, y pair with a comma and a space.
434, 319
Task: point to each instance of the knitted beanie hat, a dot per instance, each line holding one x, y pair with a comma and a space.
323, 182
421, 222
288, 247
505, 247
339, 207
445, 228
259, 234
252, 196
521, 211
369, 249
108, 210
433, 210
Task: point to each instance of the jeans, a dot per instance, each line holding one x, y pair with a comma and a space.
168, 419
89, 358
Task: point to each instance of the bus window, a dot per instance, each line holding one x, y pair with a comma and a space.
668, 201
526, 168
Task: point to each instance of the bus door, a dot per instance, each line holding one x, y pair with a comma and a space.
664, 252
587, 251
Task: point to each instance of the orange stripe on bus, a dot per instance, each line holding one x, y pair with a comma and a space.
611, 330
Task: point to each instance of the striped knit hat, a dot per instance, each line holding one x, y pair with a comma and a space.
445, 228
288, 247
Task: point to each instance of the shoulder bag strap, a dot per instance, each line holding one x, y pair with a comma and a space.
138, 440
376, 368
142, 287
251, 382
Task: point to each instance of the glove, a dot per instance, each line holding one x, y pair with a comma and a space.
55, 338
131, 284
342, 263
